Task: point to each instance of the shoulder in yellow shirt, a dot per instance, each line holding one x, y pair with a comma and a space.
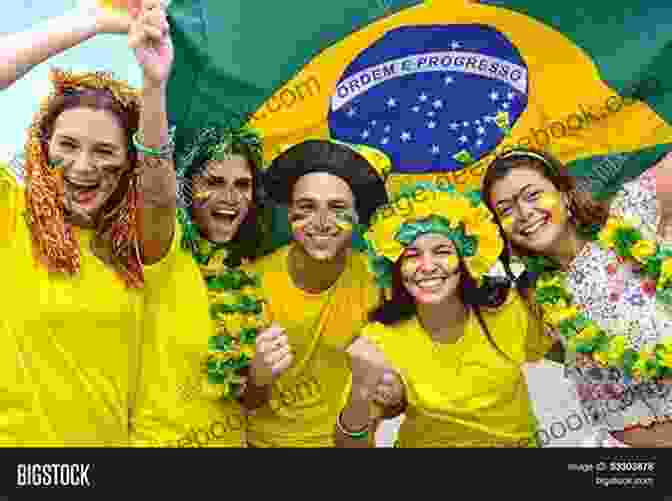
465, 394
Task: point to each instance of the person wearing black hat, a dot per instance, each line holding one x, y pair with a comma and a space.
316, 292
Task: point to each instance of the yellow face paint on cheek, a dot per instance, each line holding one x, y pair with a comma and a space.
450, 263
299, 225
409, 266
551, 203
507, 223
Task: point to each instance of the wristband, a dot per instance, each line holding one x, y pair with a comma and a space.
356, 435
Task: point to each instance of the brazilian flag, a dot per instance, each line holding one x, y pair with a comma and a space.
440, 86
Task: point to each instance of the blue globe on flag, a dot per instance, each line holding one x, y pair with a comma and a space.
434, 98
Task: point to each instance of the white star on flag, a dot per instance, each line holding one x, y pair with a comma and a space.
494, 96
391, 103
385, 140
387, 128
430, 113
463, 139
454, 125
448, 80
479, 142
423, 97
416, 109
465, 124
351, 112
481, 130
431, 124
510, 96
455, 45
505, 106
438, 104
365, 134
405, 136
435, 149
373, 123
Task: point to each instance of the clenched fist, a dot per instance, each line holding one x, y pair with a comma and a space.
372, 377
273, 356
389, 392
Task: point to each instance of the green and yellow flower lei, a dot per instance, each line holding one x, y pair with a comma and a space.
585, 336
235, 309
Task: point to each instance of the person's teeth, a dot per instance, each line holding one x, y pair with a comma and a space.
225, 213
431, 282
531, 229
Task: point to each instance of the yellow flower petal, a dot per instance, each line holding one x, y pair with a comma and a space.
643, 249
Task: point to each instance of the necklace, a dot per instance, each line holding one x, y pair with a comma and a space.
652, 262
237, 315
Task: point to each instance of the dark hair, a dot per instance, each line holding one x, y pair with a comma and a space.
117, 205
252, 239
401, 306
585, 210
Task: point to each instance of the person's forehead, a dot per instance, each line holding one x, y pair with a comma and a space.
233, 166
95, 126
516, 180
428, 240
322, 186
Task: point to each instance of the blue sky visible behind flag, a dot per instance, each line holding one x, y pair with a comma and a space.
19, 102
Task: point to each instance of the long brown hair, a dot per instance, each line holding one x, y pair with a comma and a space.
584, 209
116, 238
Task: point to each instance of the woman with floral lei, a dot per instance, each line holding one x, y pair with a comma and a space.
222, 226
603, 285
94, 203
453, 344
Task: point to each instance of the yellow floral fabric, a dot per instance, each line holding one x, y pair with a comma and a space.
306, 399
466, 394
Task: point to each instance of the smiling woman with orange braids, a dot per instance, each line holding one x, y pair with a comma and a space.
94, 203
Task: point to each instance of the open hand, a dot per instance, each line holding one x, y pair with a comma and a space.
272, 358
149, 37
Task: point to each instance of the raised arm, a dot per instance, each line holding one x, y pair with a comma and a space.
149, 38
21, 52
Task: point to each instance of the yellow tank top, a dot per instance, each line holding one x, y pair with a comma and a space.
466, 394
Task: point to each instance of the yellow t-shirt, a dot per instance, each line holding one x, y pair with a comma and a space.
70, 353
306, 399
174, 408
466, 394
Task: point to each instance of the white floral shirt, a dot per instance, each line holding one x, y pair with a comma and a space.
620, 301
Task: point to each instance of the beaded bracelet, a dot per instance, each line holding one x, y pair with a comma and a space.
165, 151
357, 435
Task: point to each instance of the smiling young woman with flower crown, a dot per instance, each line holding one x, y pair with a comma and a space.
455, 343
603, 283
93, 206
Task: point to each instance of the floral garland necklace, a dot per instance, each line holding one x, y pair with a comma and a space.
235, 310
650, 260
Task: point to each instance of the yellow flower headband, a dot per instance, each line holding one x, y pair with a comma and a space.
431, 208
